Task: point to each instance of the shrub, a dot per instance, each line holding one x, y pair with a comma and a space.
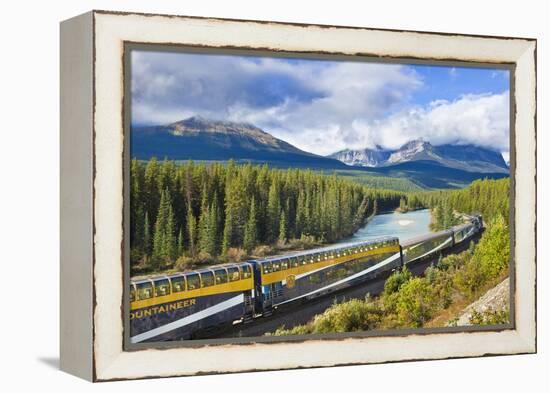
396, 280
489, 259
490, 317
493, 249
304, 242
300, 329
416, 303
471, 278
354, 315
236, 254
262, 251
184, 263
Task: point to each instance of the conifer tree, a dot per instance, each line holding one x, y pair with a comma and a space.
192, 232
169, 236
273, 210
163, 238
282, 227
204, 221
208, 230
227, 233
179, 247
251, 227
146, 235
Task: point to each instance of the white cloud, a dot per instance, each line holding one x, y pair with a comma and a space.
482, 120
317, 106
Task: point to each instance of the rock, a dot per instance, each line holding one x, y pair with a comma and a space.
495, 299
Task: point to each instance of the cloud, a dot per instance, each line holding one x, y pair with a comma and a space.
318, 106
167, 87
482, 120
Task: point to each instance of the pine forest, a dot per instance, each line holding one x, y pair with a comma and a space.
183, 215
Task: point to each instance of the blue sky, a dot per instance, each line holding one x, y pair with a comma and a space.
324, 106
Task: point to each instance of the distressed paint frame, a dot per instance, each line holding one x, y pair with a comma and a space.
109, 360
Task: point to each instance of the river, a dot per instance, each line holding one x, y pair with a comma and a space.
403, 225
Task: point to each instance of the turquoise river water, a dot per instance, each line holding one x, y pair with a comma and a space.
403, 225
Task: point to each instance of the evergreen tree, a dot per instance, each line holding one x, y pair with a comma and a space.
282, 227
227, 233
273, 210
179, 247
192, 232
163, 238
250, 237
208, 236
147, 236
169, 236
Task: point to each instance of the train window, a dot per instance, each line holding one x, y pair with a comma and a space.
276, 266
132, 294
325, 256
247, 273
266, 268
312, 259
178, 284
193, 281
294, 262
207, 279
302, 260
318, 257
145, 290
162, 287
233, 273
284, 264
221, 276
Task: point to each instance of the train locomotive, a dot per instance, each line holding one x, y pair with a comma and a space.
178, 306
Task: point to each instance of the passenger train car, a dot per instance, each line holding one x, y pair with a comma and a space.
178, 306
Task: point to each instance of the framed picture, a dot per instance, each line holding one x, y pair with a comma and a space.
248, 195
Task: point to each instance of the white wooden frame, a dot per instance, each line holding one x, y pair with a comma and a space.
92, 195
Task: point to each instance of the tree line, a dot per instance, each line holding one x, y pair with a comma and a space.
490, 198
199, 212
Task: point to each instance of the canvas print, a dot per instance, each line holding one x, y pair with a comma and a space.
284, 196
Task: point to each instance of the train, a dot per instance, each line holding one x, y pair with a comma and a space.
179, 306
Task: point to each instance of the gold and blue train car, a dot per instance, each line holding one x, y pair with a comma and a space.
426, 246
310, 274
179, 305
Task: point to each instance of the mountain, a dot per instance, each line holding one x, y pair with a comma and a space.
467, 158
363, 157
418, 161
197, 138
